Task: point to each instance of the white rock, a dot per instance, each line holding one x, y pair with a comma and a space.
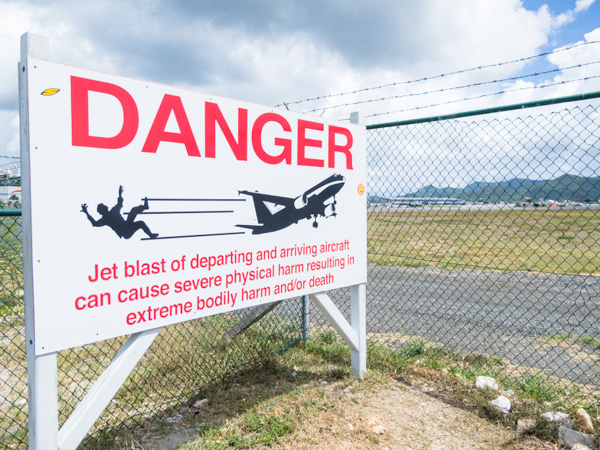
502, 404
524, 425
570, 438
486, 382
201, 403
373, 422
556, 417
379, 429
375, 426
176, 418
584, 421
580, 447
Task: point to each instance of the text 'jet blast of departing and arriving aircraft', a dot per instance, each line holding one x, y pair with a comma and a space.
275, 213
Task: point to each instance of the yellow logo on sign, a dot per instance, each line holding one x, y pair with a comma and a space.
361, 189
50, 91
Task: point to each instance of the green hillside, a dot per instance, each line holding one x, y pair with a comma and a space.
563, 188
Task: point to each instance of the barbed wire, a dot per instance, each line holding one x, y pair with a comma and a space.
453, 88
457, 72
505, 91
2, 168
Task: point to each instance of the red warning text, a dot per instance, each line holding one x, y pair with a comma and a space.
298, 142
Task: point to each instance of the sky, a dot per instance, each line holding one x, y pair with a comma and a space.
270, 52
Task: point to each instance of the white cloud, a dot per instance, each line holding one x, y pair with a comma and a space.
582, 5
569, 16
269, 52
580, 55
9, 132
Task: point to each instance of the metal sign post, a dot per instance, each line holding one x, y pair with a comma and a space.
41, 369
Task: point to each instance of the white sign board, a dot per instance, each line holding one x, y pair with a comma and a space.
152, 205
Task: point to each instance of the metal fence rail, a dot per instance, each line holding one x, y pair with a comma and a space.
484, 244
182, 365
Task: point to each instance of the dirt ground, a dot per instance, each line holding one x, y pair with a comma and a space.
393, 417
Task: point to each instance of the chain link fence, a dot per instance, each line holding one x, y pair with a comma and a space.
13, 360
184, 363
484, 247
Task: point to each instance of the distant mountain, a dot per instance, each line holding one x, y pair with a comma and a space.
515, 183
563, 188
432, 191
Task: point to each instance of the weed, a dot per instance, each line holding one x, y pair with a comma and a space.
328, 346
566, 238
538, 388
594, 342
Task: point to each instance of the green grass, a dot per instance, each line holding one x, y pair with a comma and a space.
260, 402
256, 429
184, 361
566, 238
594, 342
588, 340
286, 402
591, 341
11, 270
511, 240
538, 388
535, 385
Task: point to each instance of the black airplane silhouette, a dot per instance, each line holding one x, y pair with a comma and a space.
290, 210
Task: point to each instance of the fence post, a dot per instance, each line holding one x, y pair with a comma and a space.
41, 370
305, 318
358, 321
358, 307
357, 118
348, 332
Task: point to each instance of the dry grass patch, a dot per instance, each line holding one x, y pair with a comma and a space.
551, 241
306, 399
183, 361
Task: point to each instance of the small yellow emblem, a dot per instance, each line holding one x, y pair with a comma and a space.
50, 91
361, 189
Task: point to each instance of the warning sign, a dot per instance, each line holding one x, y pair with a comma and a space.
152, 205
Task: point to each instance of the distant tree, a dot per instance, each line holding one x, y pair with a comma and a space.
14, 202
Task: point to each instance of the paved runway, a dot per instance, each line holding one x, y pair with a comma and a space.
511, 315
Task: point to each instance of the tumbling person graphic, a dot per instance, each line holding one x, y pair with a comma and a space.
125, 228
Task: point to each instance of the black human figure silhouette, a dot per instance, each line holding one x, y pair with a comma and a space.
125, 228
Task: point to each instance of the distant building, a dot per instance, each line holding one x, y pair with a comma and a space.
423, 201
9, 187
